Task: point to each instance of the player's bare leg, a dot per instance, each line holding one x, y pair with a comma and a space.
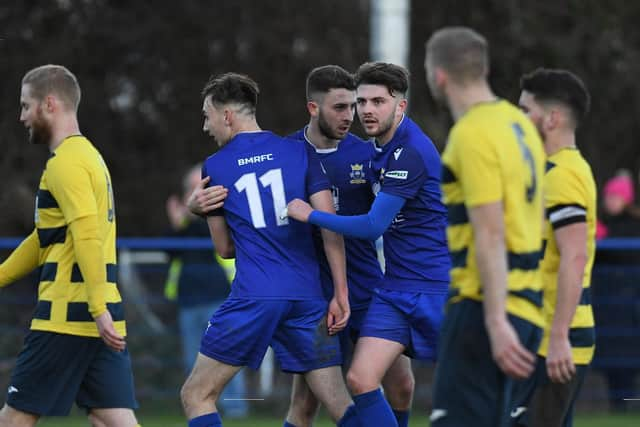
304, 406
329, 388
204, 385
112, 417
372, 359
11, 417
399, 384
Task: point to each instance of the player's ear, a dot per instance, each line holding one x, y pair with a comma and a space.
440, 76
313, 108
553, 119
49, 103
228, 116
402, 106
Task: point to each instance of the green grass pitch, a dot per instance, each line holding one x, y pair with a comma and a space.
149, 420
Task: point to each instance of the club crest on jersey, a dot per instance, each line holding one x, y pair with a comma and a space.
357, 174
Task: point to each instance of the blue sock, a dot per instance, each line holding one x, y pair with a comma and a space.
207, 420
402, 417
350, 418
373, 409
287, 424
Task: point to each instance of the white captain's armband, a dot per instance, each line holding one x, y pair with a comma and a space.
561, 215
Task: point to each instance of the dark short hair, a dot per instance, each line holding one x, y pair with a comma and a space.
232, 88
323, 79
54, 79
461, 51
394, 77
554, 85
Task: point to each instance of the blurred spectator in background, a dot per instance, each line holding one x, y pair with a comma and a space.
199, 284
615, 292
619, 216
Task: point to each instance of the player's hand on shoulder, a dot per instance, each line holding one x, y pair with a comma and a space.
108, 332
338, 315
560, 366
298, 210
203, 200
509, 354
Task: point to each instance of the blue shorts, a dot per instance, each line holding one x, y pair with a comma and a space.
412, 319
54, 370
241, 330
469, 388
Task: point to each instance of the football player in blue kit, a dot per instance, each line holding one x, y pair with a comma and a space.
406, 311
276, 298
347, 160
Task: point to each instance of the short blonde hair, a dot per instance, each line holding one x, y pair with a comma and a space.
54, 79
460, 51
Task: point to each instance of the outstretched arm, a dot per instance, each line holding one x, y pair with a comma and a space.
369, 226
22, 260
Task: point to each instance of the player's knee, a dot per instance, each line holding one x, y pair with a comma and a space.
192, 395
359, 383
304, 407
400, 390
188, 395
95, 420
112, 417
10, 417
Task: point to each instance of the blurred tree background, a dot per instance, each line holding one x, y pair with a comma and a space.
142, 65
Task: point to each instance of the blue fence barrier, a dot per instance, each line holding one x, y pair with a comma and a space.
615, 300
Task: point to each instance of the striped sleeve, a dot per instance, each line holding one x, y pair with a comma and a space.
565, 198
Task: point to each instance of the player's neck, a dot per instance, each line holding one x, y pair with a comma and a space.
248, 124
62, 129
559, 140
318, 139
462, 98
383, 139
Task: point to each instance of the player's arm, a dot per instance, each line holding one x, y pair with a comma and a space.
221, 236
369, 226
22, 260
70, 183
571, 240
333, 243
489, 236
89, 253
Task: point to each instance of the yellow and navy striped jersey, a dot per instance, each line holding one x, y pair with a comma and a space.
75, 184
570, 197
494, 154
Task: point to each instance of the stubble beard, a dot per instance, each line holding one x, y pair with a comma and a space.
326, 130
40, 132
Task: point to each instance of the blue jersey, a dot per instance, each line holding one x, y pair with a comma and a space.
348, 167
415, 245
275, 258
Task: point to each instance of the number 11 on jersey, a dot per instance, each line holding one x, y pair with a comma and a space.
271, 179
